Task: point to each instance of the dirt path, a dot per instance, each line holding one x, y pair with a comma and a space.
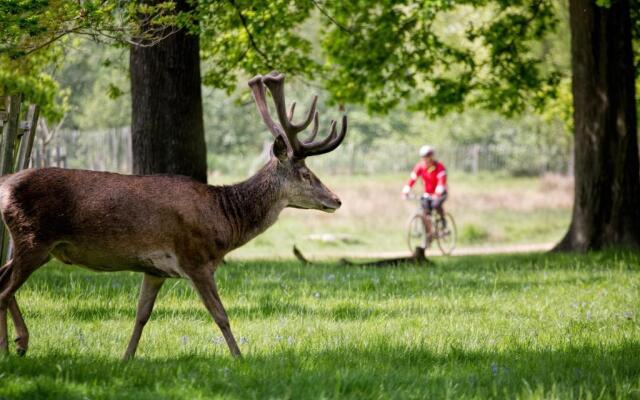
463, 251
432, 252
505, 249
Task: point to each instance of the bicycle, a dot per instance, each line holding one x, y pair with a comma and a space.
444, 231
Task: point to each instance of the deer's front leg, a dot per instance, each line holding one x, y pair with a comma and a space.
148, 292
205, 285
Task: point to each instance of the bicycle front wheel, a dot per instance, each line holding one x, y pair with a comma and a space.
417, 235
446, 234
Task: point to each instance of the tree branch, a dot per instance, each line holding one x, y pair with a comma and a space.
330, 18
54, 38
252, 40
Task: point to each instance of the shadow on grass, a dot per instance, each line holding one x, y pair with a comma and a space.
378, 370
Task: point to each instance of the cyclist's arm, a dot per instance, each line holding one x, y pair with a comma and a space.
412, 180
442, 181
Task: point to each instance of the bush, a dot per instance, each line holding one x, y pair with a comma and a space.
471, 233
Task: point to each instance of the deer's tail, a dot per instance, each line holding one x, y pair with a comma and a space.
3, 178
3, 181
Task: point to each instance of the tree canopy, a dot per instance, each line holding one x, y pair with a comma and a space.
432, 56
397, 51
34, 34
379, 54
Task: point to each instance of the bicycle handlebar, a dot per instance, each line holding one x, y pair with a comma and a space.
413, 196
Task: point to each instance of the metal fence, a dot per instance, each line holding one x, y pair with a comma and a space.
475, 158
105, 150
110, 149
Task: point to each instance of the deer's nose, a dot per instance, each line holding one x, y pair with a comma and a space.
338, 202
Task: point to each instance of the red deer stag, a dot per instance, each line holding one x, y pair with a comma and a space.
163, 226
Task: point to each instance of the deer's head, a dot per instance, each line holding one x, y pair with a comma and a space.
300, 187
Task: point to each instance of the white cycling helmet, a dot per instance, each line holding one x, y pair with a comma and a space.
426, 151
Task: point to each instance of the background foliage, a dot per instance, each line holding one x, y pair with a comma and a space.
505, 63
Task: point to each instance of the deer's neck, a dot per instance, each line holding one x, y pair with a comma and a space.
252, 206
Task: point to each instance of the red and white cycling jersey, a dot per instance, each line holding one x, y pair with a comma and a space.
433, 177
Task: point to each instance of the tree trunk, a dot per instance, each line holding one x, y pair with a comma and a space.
167, 131
606, 209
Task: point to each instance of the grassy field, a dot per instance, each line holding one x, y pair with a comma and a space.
490, 210
526, 326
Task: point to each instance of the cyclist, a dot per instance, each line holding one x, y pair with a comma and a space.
434, 179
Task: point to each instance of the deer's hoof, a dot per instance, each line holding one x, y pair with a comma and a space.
21, 345
22, 342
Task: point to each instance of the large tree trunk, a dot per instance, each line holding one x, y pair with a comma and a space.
606, 209
167, 128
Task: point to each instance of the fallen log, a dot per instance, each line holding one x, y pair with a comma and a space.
418, 257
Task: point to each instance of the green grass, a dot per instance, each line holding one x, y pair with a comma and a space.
528, 326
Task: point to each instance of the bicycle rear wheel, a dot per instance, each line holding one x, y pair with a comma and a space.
446, 234
417, 235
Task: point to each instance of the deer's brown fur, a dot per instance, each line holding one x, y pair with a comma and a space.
163, 226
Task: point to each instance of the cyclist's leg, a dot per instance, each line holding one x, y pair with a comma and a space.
439, 206
427, 207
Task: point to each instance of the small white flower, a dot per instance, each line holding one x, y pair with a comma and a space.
218, 340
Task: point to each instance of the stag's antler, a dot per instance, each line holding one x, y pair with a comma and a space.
288, 130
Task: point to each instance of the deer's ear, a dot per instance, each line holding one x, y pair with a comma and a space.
279, 149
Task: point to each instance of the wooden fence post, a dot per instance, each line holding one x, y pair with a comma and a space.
9, 134
27, 136
15, 150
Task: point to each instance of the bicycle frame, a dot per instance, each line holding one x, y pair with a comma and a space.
414, 197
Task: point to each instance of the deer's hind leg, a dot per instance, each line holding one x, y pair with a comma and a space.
22, 333
13, 275
148, 292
